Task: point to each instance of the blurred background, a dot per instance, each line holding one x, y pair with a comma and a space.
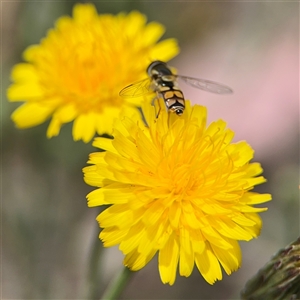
47, 229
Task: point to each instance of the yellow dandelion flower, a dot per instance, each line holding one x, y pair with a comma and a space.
77, 71
177, 187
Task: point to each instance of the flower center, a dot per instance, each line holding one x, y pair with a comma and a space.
81, 76
182, 179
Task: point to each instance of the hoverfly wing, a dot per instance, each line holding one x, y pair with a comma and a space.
136, 89
206, 85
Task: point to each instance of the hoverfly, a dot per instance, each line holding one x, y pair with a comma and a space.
164, 83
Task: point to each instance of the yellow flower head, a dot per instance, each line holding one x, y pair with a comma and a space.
177, 187
77, 71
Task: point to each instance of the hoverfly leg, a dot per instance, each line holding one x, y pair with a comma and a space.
158, 112
156, 104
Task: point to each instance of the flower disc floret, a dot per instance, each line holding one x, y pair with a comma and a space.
78, 69
179, 188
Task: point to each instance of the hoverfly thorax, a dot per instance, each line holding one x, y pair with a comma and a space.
158, 69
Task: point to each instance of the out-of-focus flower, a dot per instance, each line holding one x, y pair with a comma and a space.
77, 71
279, 278
177, 187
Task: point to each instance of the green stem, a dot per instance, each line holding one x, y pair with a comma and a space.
93, 286
117, 285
